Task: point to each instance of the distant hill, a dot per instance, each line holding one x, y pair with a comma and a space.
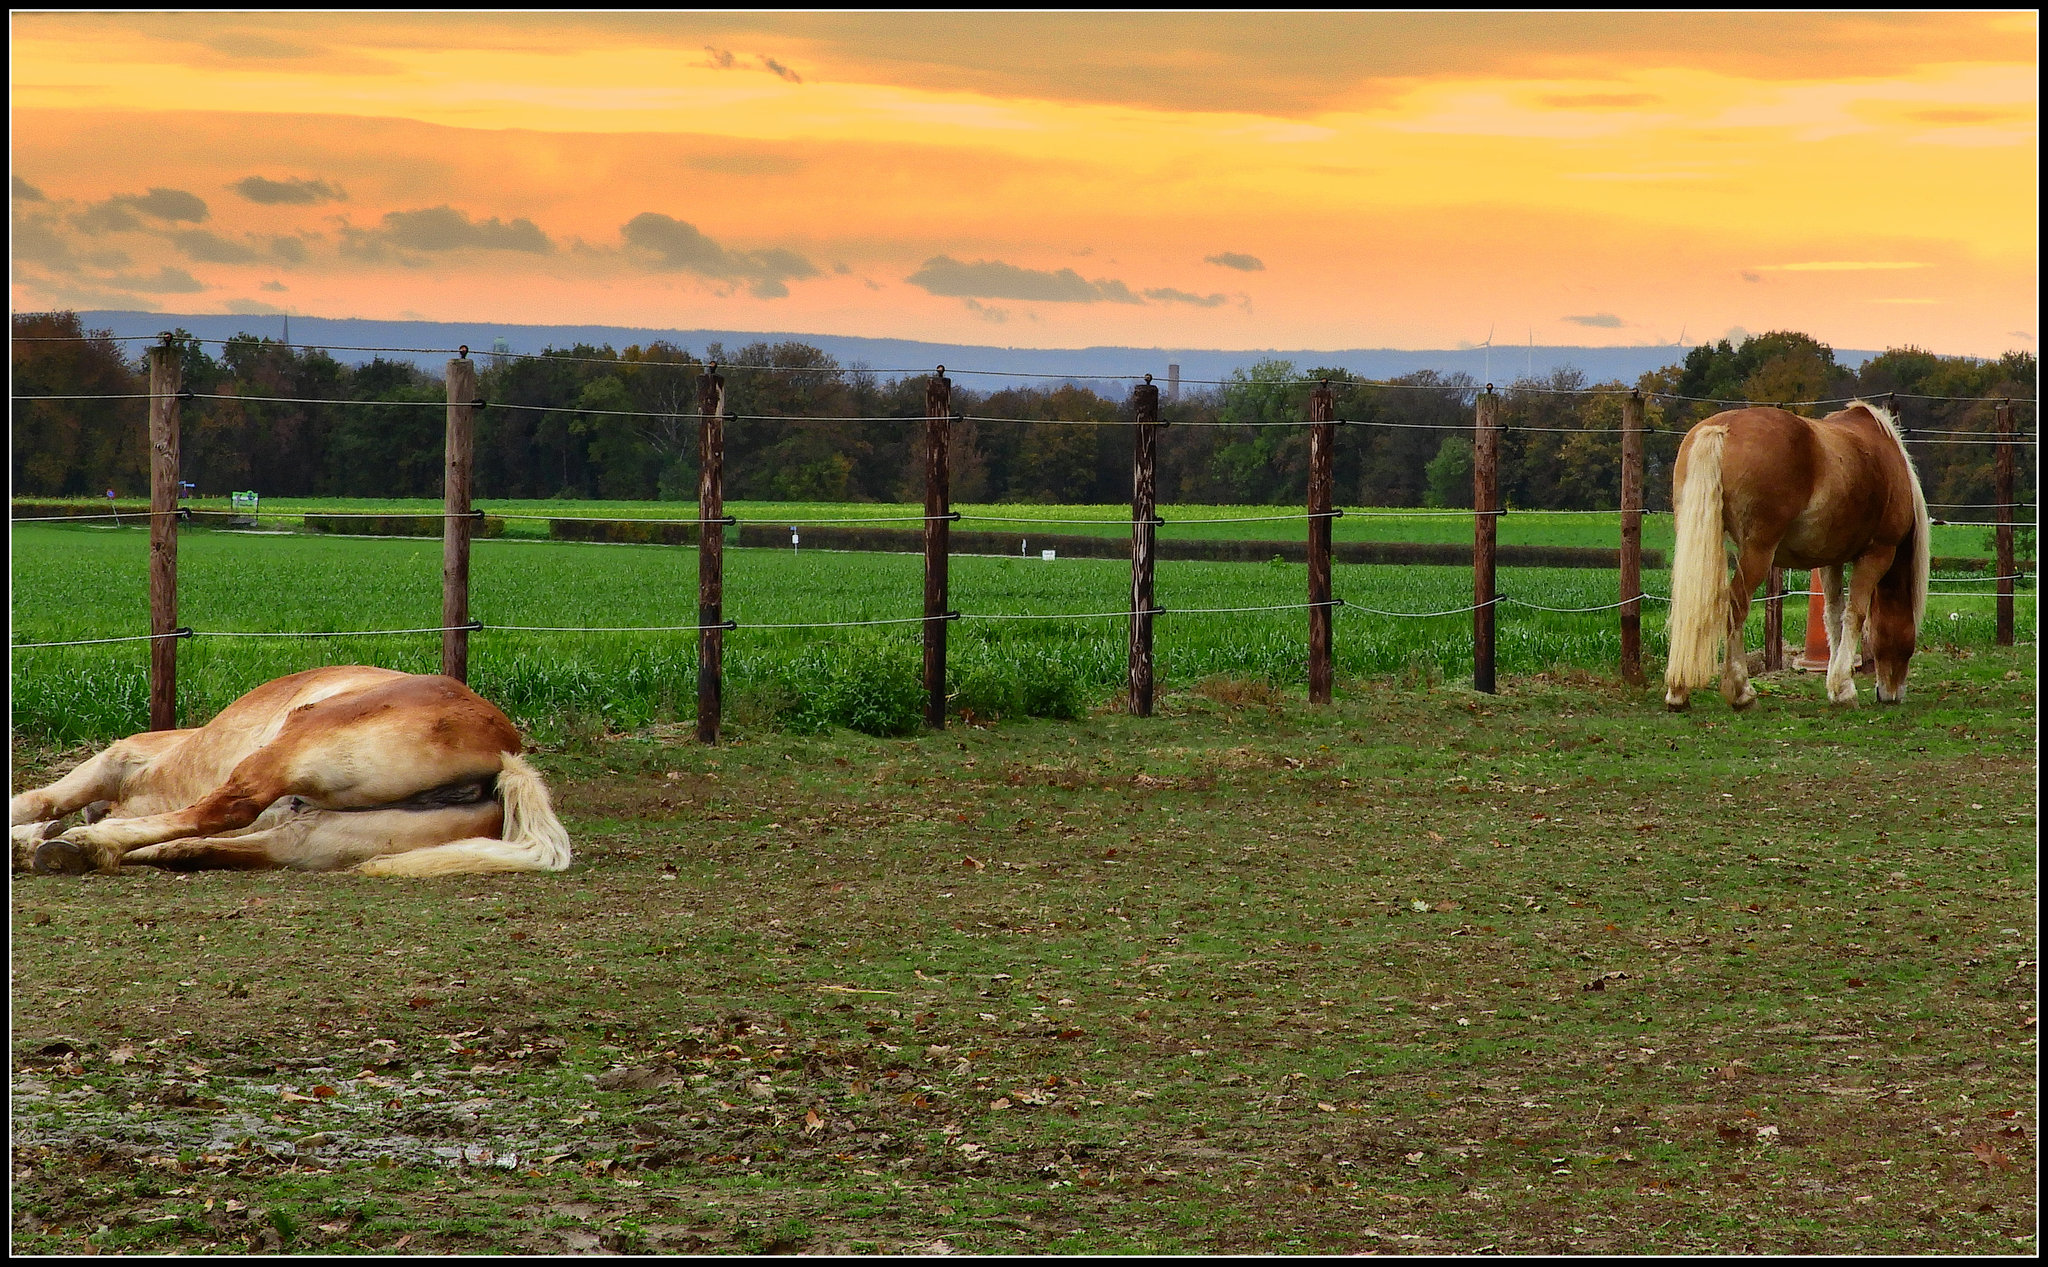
1003, 366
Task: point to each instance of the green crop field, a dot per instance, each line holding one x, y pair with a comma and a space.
1252, 523
90, 581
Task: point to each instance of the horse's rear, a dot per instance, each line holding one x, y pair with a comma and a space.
1794, 492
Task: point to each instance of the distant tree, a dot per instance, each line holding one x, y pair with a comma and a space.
75, 447
1449, 474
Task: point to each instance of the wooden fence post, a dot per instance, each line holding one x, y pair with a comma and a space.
710, 553
460, 455
938, 508
1632, 539
1774, 621
1144, 526
1485, 524
165, 382
1322, 443
2001, 476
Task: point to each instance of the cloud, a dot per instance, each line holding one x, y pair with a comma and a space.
993, 279
1964, 117
1237, 260
167, 281
1600, 320
996, 315
444, 228
723, 59
37, 241
290, 250
289, 190
211, 248
744, 164
1598, 100
107, 217
1749, 276
273, 285
118, 213
671, 245
253, 308
249, 45
1168, 295
1253, 62
1837, 266
371, 247
166, 204
27, 192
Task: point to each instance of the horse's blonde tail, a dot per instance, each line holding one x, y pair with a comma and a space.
1699, 570
533, 838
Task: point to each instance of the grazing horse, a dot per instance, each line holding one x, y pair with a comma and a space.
389, 773
1796, 493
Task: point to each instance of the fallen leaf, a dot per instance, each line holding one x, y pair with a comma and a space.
812, 1121
1993, 1159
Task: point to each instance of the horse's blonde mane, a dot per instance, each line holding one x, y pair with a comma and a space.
1923, 546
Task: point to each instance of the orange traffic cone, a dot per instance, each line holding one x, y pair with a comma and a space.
1814, 659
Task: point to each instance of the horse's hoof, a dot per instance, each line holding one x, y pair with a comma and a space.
61, 857
1743, 703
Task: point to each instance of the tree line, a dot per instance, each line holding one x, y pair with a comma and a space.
598, 423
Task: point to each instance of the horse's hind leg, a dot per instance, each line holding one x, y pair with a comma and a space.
1751, 566
323, 840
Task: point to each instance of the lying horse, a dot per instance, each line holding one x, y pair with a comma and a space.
1796, 493
389, 773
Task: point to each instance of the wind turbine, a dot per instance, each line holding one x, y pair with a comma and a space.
1488, 345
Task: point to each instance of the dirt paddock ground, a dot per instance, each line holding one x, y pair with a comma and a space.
1426, 971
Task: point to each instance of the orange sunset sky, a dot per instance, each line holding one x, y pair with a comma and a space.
1048, 180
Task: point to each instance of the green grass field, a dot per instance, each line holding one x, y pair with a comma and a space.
1548, 972
867, 677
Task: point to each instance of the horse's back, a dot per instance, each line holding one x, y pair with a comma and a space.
325, 704
1822, 489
